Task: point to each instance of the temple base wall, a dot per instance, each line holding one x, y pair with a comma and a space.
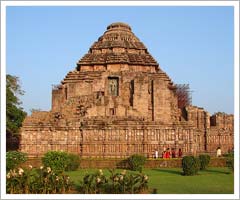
118, 142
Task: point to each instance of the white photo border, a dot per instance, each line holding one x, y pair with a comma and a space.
5, 4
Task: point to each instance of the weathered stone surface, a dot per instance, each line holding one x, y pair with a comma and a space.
118, 102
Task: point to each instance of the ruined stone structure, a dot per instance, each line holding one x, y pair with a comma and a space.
118, 102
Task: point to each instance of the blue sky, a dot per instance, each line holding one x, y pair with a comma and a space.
193, 45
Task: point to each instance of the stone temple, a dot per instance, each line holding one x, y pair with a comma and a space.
118, 102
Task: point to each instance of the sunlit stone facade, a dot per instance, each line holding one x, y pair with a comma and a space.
118, 102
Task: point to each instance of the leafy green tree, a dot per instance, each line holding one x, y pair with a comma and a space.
14, 113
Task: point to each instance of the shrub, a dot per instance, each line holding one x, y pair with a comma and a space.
117, 183
124, 183
230, 162
60, 161
190, 165
204, 161
73, 162
227, 155
136, 162
37, 181
56, 160
93, 183
14, 158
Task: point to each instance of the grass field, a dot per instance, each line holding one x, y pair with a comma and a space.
170, 180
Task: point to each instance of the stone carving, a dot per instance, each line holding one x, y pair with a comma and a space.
57, 115
81, 110
113, 86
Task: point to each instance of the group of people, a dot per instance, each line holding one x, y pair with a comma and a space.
169, 154
173, 154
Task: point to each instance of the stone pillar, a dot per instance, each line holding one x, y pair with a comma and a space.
176, 138
191, 141
206, 148
145, 150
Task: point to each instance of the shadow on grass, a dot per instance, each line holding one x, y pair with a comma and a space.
216, 171
170, 171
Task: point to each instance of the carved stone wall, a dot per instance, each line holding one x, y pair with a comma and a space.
94, 139
221, 132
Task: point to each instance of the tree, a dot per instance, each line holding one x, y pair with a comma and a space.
14, 113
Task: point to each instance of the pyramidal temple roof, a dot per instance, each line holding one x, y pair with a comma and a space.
118, 45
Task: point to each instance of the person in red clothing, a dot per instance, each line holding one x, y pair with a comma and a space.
180, 153
173, 153
164, 154
168, 153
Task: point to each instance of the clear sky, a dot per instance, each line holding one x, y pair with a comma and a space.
193, 45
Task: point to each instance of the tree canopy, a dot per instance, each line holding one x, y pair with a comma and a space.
14, 113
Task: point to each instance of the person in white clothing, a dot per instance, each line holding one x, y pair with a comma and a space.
156, 154
219, 152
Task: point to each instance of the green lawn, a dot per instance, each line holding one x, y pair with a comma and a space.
170, 180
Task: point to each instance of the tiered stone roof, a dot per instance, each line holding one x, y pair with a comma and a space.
118, 45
